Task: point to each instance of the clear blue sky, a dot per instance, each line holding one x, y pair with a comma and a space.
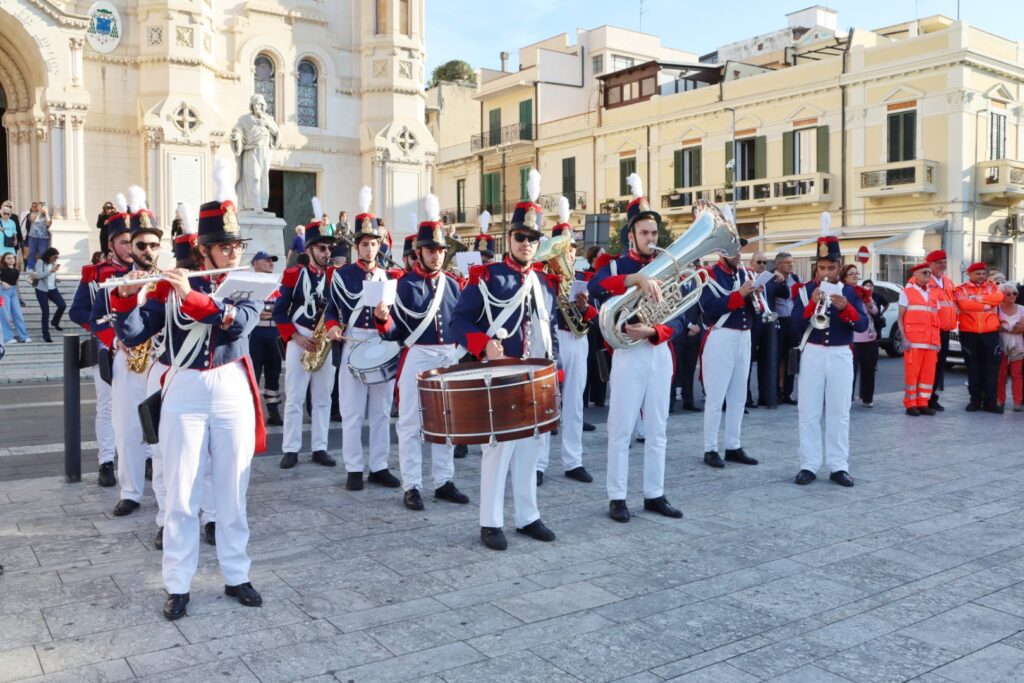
478, 31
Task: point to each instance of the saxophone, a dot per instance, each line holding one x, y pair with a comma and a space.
138, 356
315, 358
553, 253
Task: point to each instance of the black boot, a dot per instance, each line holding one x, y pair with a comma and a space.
274, 414
461, 450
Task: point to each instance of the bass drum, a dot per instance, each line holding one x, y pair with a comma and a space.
477, 403
374, 362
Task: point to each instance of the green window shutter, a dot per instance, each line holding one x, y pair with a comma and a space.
909, 135
626, 166
761, 157
822, 151
569, 180
695, 167
526, 120
524, 174
729, 175
678, 164
894, 130
788, 166
494, 127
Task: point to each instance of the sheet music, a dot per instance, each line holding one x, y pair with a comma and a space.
763, 279
831, 288
578, 287
379, 291
242, 285
465, 259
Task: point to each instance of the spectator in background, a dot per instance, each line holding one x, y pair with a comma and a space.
176, 223
978, 300
341, 227
101, 224
8, 231
11, 319
46, 291
596, 388
865, 345
1011, 337
783, 305
764, 340
37, 226
298, 245
97, 257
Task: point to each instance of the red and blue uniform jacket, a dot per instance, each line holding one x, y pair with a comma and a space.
80, 311
714, 304
344, 288
415, 293
605, 284
100, 316
503, 280
842, 324
291, 308
588, 315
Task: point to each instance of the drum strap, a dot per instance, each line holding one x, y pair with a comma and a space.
428, 318
543, 320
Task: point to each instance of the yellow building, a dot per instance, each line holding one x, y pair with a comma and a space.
908, 135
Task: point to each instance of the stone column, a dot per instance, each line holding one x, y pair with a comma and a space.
76, 43
75, 167
40, 161
153, 137
57, 195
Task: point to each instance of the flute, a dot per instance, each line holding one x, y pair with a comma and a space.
157, 277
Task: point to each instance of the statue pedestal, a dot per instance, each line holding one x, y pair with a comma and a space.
266, 232
75, 241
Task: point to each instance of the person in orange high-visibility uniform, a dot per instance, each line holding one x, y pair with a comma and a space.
919, 326
977, 300
943, 293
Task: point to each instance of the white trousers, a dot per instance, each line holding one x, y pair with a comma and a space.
826, 375
296, 381
128, 390
356, 399
207, 420
640, 379
522, 454
207, 511
104, 419
410, 444
725, 364
573, 353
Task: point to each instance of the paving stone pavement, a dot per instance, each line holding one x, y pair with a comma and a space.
916, 573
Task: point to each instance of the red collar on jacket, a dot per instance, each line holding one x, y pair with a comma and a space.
514, 265
636, 256
416, 268
368, 269
724, 265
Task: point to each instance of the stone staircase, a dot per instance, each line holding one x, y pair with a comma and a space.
38, 361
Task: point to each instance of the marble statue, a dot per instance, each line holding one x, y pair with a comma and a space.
252, 138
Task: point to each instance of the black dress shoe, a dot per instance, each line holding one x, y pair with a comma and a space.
712, 459
618, 511
692, 408
842, 478
973, 407
740, 456
322, 458
158, 542
587, 427
461, 450
56, 326
537, 530
805, 477
788, 400
210, 532
926, 410
412, 499
384, 478
125, 507
274, 415
993, 408
149, 469
540, 478
450, 493
493, 538
107, 477
288, 461
246, 594
354, 481
935, 405
579, 474
662, 507
914, 412
174, 607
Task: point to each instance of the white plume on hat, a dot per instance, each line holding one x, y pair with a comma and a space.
563, 210
224, 181
728, 213
365, 199
636, 186
136, 198
120, 203
533, 184
485, 221
318, 209
432, 207
188, 224
826, 223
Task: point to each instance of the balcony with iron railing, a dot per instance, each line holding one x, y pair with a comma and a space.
917, 176
513, 134
1001, 179
805, 188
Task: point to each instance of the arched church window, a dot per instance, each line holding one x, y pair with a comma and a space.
307, 94
264, 82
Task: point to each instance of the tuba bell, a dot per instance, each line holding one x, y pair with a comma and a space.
554, 254
681, 284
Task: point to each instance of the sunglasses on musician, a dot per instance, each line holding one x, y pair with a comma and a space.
144, 246
525, 237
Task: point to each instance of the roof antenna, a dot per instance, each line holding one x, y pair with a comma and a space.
641, 16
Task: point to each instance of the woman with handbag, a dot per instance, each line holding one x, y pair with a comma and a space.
865, 344
1011, 336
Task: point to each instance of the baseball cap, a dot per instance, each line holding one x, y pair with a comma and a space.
262, 255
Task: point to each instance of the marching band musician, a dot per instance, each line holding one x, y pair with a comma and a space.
485, 242
348, 316
409, 253
421, 321
641, 376
263, 349
572, 352
299, 307
211, 412
80, 313
728, 309
128, 383
826, 366
511, 298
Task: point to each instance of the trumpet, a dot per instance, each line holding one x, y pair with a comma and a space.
820, 319
761, 302
157, 277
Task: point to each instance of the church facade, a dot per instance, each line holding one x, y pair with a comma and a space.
97, 96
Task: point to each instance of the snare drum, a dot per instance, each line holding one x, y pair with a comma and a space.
477, 403
374, 362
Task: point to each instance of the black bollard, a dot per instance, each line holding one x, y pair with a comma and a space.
72, 411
